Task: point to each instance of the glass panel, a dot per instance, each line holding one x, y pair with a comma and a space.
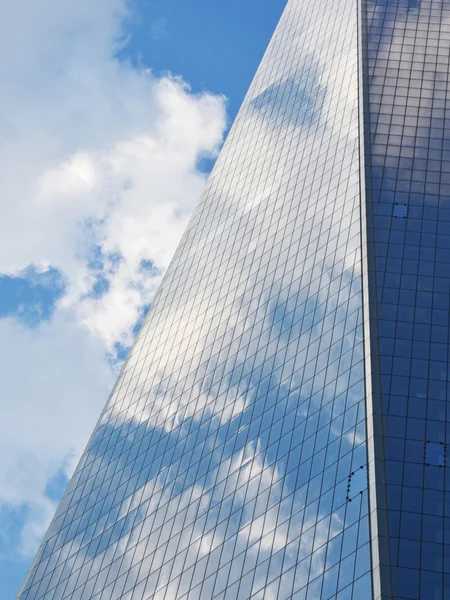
408, 58
220, 465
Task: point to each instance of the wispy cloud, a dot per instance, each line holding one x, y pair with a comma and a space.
159, 28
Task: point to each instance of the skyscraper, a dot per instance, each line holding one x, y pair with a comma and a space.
279, 428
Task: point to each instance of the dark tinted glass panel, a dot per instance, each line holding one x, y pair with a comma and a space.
408, 60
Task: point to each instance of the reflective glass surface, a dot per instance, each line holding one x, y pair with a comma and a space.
230, 461
408, 62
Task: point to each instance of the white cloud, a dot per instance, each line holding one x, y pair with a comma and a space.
99, 160
53, 383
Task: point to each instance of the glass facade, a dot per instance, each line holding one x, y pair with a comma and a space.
408, 48
279, 428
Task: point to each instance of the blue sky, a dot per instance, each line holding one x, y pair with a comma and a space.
213, 45
104, 162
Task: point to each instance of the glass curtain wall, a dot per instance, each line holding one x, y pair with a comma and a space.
408, 48
230, 461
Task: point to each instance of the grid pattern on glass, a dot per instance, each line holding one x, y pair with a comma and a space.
220, 466
408, 62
